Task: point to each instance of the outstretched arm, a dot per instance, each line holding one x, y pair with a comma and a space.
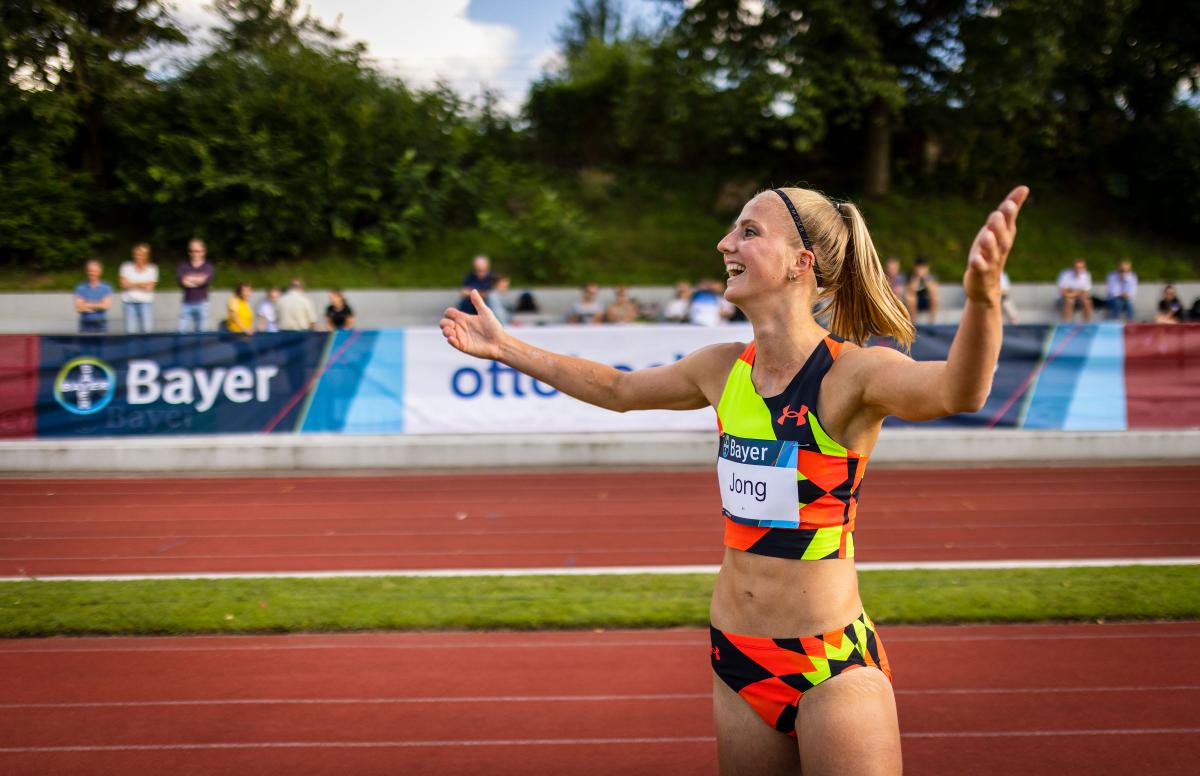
894, 384
677, 386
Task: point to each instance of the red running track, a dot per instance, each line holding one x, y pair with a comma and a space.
58, 527
1025, 699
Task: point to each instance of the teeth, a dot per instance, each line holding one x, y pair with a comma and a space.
734, 268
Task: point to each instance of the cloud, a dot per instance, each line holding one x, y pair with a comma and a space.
421, 41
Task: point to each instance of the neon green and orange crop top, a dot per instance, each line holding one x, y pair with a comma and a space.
787, 489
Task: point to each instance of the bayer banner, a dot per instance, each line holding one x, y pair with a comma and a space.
174, 384
447, 392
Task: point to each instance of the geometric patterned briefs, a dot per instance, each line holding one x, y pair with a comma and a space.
773, 674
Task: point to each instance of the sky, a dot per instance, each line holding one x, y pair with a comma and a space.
498, 44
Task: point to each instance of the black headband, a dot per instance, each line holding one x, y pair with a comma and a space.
803, 234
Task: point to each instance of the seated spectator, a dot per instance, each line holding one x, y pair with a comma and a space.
267, 316
586, 309
93, 297
480, 279
709, 307
921, 291
1075, 291
1122, 290
1008, 310
623, 309
339, 316
1194, 313
527, 303
895, 278
676, 310
137, 279
295, 311
239, 318
1170, 309
497, 300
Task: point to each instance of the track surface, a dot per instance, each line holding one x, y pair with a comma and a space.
1033, 699
50, 527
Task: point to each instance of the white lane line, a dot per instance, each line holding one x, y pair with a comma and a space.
418, 744
552, 698
952, 565
700, 641
361, 744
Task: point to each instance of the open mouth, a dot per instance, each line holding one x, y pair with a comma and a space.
734, 269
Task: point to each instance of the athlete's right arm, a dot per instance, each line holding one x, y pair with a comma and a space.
686, 384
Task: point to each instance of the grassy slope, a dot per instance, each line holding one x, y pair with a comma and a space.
281, 605
672, 235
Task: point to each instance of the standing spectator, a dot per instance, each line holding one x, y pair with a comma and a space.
137, 279
1170, 309
895, 278
1122, 288
194, 276
295, 311
480, 279
497, 300
587, 308
676, 310
623, 309
338, 314
1075, 290
93, 297
239, 317
1008, 310
268, 317
921, 291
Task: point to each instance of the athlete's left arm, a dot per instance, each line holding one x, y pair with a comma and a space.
894, 384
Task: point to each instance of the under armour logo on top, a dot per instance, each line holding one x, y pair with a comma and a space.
716, 653
800, 416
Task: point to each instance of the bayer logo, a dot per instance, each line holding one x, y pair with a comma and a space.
85, 385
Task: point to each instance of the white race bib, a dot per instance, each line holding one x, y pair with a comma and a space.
757, 478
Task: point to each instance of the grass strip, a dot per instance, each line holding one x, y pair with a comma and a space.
280, 605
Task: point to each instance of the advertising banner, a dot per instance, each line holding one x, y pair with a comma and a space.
447, 392
174, 384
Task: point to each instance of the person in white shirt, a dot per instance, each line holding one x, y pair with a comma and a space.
1007, 309
138, 279
676, 310
266, 317
1075, 290
1122, 289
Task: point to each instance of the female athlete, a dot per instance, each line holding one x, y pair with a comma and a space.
799, 410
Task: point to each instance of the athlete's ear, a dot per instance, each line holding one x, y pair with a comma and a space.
801, 259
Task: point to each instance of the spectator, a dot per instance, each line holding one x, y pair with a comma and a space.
1170, 309
1075, 290
268, 316
921, 291
93, 297
1194, 313
194, 276
338, 314
527, 303
137, 279
587, 308
708, 304
480, 279
1122, 289
239, 318
623, 309
1008, 310
895, 278
676, 310
497, 300
295, 311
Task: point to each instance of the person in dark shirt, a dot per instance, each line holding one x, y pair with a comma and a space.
92, 300
338, 313
1170, 309
480, 279
194, 276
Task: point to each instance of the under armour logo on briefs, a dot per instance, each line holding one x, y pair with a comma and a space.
800, 416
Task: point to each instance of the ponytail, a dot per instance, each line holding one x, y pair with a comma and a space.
859, 302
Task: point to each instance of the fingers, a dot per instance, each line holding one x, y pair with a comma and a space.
477, 300
1011, 206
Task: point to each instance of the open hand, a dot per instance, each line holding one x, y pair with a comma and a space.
985, 260
476, 335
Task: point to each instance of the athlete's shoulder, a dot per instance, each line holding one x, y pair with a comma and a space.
857, 358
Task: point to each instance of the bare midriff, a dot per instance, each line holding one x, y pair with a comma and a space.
759, 595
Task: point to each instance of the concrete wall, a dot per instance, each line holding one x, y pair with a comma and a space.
53, 312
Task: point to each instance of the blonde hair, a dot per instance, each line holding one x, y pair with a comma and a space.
860, 303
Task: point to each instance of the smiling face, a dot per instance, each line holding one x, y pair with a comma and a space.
760, 251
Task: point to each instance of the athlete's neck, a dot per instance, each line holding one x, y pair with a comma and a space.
784, 338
